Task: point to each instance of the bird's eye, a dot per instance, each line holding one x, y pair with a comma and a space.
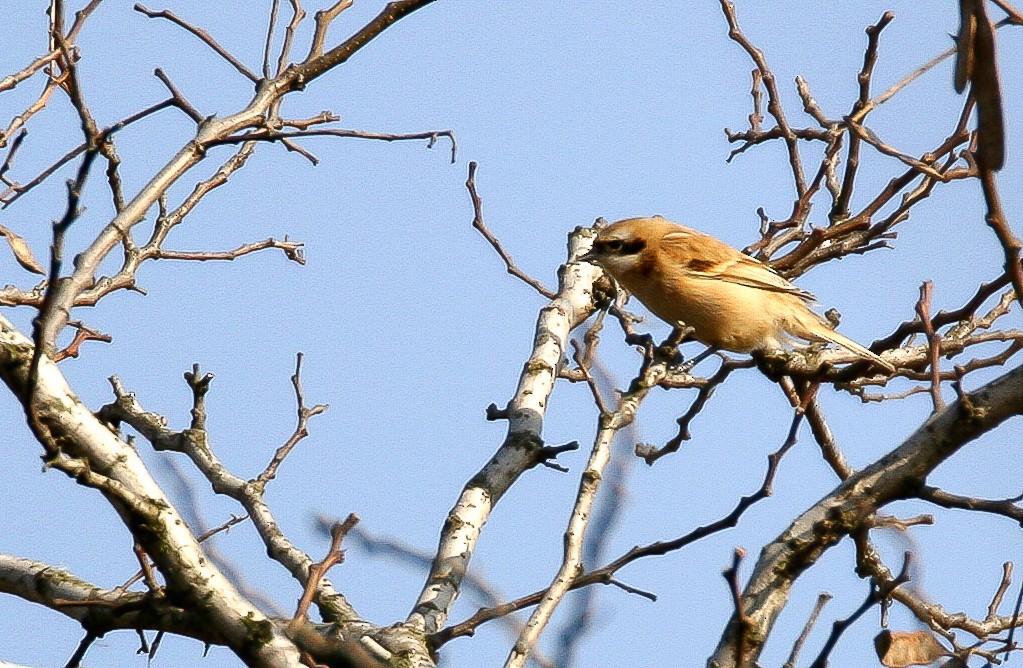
614, 245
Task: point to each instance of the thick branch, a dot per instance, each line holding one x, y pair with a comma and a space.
80, 444
98, 609
896, 475
522, 448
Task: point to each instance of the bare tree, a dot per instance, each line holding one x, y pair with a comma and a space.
180, 589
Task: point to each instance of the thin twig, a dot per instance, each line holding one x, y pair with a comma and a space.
12, 80
324, 18
203, 36
870, 138
584, 367
146, 568
297, 16
9, 160
274, 135
76, 659
179, 100
83, 333
651, 454
393, 12
877, 593
317, 571
102, 141
292, 250
1003, 586
268, 44
841, 209
10, 195
773, 97
998, 222
1009, 645
822, 600
44, 332
571, 562
301, 429
923, 310
739, 617
477, 222
604, 574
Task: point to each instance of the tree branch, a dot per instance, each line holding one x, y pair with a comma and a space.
894, 476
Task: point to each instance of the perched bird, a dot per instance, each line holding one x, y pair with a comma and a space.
731, 300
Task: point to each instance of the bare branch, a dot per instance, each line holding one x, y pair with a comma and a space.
923, 308
877, 593
731, 575
9, 160
83, 333
102, 143
19, 121
391, 14
584, 367
44, 331
297, 16
324, 18
822, 600
179, 100
773, 98
12, 80
998, 222
76, 659
87, 446
12, 193
522, 448
292, 250
604, 575
571, 563
318, 570
283, 136
840, 210
869, 137
1009, 508
275, 7
650, 454
477, 222
301, 429
203, 36
811, 534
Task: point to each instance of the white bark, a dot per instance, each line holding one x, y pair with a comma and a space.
98, 458
570, 308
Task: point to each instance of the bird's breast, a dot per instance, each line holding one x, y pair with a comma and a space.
722, 314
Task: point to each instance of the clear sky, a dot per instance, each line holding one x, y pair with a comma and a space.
410, 325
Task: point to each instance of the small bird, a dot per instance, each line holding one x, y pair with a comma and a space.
730, 300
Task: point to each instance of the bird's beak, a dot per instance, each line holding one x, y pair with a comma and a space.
590, 256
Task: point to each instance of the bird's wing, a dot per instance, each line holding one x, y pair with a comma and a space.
719, 261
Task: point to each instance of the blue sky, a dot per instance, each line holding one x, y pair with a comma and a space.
410, 326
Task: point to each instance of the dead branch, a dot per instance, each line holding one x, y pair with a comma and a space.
477, 222
203, 36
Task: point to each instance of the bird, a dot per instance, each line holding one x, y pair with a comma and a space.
730, 300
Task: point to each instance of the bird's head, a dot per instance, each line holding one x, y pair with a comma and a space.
621, 247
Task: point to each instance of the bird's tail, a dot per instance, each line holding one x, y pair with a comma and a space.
818, 330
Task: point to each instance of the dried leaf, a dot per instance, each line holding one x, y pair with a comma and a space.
22, 253
964, 44
898, 649
987, 90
